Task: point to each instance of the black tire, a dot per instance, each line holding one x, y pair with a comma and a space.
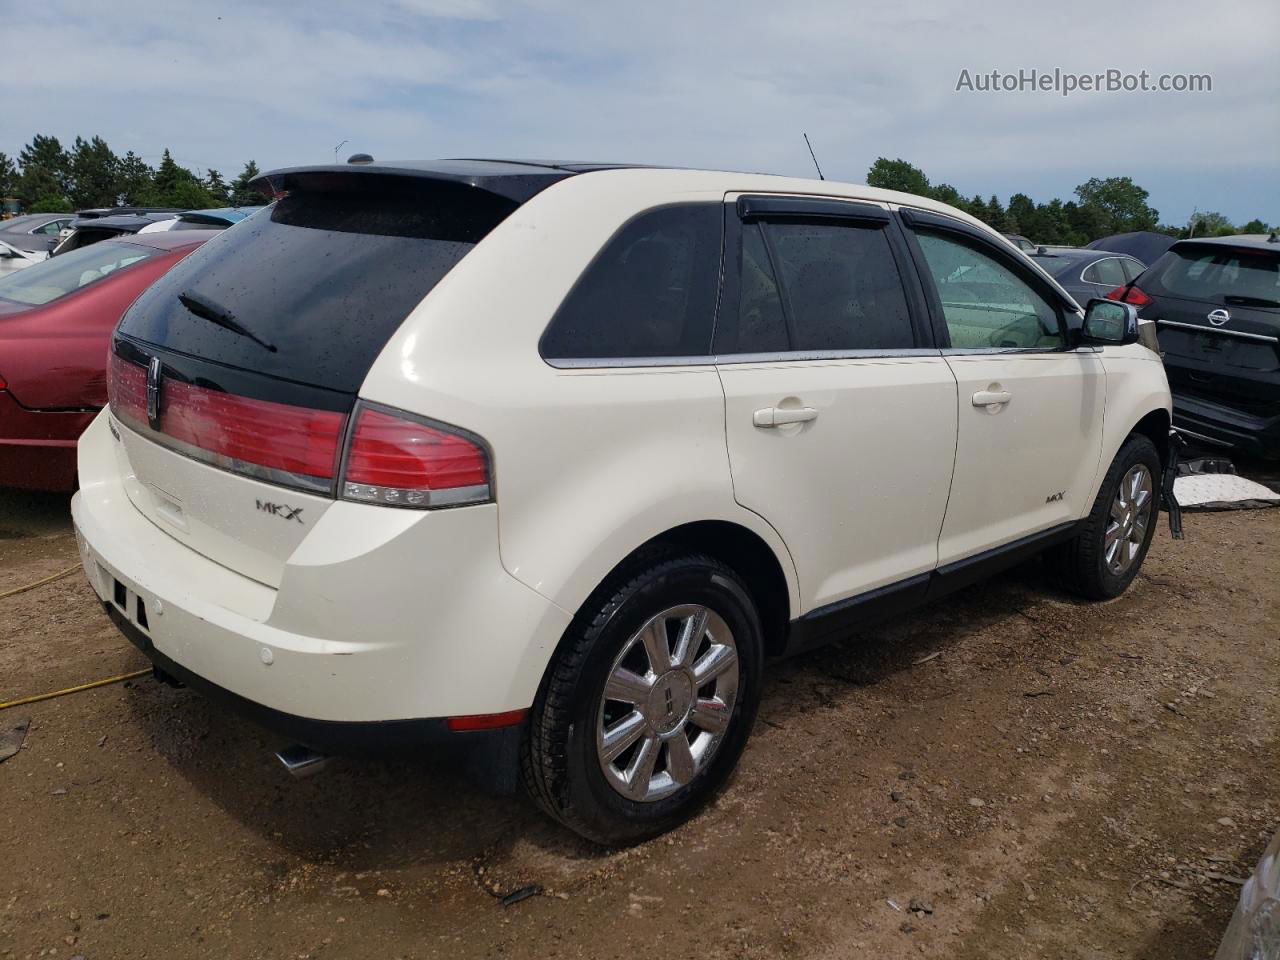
560, 765
1081, 563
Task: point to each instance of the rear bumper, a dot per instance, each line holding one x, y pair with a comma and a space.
38, 448
1243, 432
380, 616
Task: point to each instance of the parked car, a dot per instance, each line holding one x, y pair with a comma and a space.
13, 259
1086, 274
1021, 242
35, 232
56, 319
1144, 245
215, 219
1217, 304
84, 232
293, 500
1254, 932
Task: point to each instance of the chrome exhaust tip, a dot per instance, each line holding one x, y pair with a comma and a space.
302, 761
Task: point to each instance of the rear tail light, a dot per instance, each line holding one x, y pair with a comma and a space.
392, 457
397, 459
1129, 294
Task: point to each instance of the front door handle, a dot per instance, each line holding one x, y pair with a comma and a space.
779, 416
991, 398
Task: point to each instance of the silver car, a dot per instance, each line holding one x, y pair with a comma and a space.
1254, 933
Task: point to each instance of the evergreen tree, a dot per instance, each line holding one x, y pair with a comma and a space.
242, 195
8, 176
216, 187
93, 174
135, 181
44, 178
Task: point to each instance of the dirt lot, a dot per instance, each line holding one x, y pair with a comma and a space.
1052, 779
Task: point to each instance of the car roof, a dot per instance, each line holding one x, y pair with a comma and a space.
125, 221
166, 239
224, 214
25, 219
1261, 241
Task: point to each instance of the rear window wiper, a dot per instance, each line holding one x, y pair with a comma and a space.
208, 310
1240, 301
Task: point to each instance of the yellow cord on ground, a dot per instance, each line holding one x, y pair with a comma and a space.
84, 686
40, 583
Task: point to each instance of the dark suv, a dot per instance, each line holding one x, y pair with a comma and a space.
1217, 305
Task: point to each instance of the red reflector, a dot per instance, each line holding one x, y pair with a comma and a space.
259, 438
487, 721
396, 460
1129, 294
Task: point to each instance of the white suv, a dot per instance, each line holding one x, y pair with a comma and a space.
553, 458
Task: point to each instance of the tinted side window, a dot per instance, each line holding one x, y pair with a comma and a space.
1107, 271
651, 292
841, 285
1132, 268
985, 304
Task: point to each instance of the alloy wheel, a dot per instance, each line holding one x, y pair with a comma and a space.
667, 702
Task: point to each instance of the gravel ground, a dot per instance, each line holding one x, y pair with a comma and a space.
1033, 775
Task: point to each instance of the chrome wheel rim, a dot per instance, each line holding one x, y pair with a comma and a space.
1130, 517
667, 702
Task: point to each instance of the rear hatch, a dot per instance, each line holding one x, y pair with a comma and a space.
234, 376
1218, 313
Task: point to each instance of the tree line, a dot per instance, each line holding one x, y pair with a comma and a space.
49, 178
1102, 207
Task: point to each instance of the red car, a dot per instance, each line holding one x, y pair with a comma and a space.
56, 319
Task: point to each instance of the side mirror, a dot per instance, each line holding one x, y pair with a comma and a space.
1109, 322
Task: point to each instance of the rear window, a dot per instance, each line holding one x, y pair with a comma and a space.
1227, 275
52, 279
651, 292
325, 278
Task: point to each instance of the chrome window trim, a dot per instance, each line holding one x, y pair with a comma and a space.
1219, 331
1101, 283
781, 356
992, 351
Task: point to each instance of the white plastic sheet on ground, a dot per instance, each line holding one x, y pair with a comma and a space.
1222, 491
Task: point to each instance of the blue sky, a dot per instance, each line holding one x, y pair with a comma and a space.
689, 83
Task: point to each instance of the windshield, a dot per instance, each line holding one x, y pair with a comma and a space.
1223, 275
51, 279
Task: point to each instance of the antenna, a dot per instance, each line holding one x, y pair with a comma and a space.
339, 147
815, 159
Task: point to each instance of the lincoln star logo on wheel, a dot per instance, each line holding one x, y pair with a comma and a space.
1219, 317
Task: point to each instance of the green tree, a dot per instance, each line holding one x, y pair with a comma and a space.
44, 171
135, 181
216, 187
242, 195
897, 175
93, 174
8, 176
51, 203
1021, 214
996, 215
1253, 226
1211, 224
176, 186
946, 193
1121, 202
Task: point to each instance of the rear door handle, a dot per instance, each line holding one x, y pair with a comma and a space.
991, 398
778, 416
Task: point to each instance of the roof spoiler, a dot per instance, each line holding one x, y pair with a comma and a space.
513, 187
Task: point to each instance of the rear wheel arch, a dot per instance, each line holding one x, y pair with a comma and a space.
738, 547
